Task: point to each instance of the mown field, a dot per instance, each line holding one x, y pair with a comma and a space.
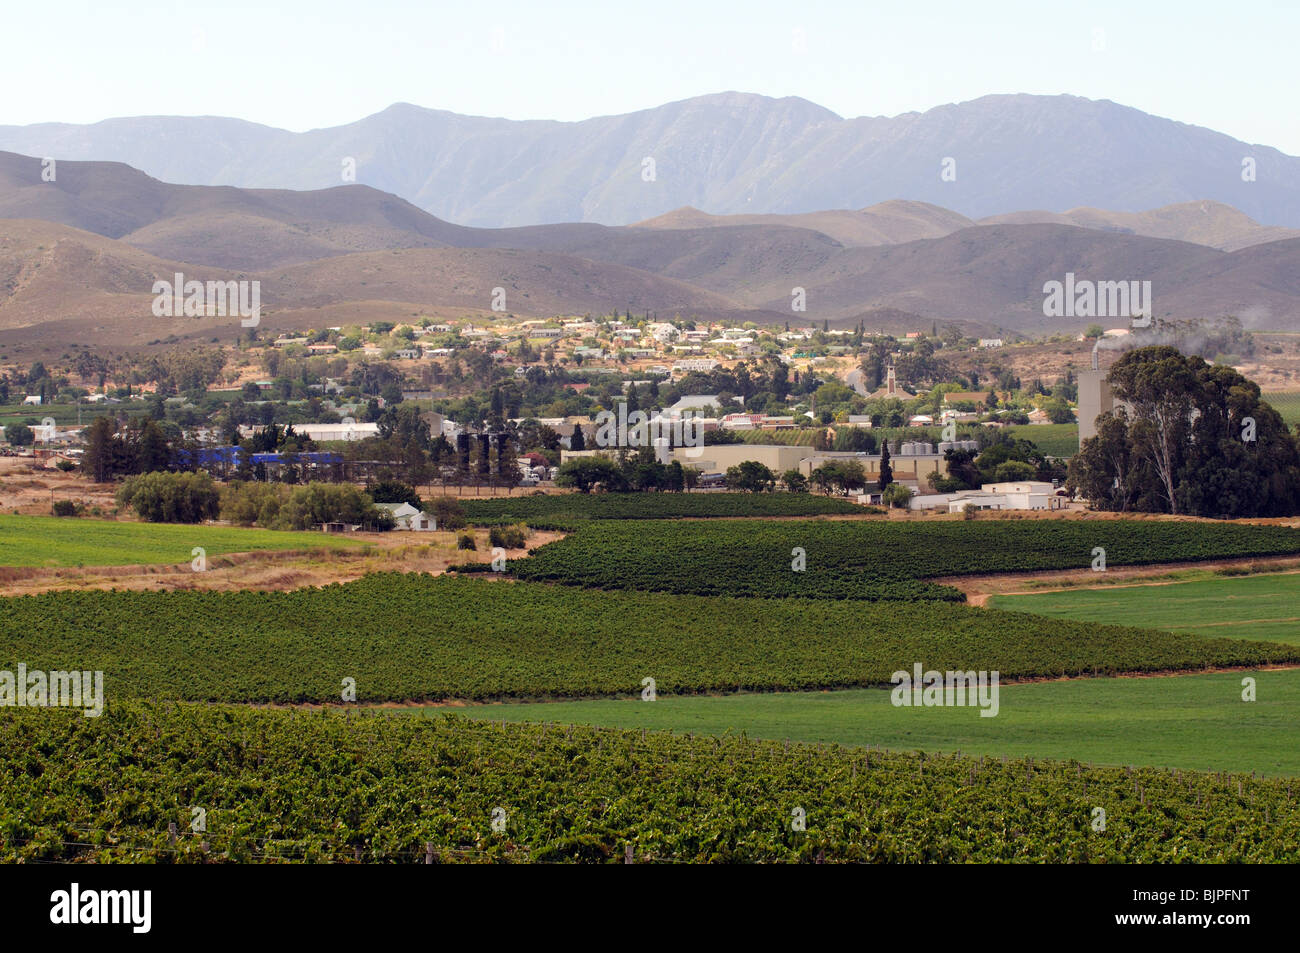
322, 786
864, 559
1286, 403
413, 637
1190, 722
548, 510
1265, 606
74, 541
1055, 440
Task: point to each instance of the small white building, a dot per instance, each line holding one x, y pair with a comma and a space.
663, 331
407, 517
704, 364
695, 402
1023, 495
327, 432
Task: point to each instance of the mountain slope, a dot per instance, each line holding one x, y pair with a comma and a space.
230, 227
727, 153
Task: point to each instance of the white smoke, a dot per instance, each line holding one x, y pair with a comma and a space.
1187, 338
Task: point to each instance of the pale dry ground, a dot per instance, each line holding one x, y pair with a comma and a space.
431, 553
978, 589
26, 485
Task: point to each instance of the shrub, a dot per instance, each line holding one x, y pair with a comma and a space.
466, 541
20, 435
896, 495
508, 537
448, 512
66, 508
161, 497
280, 506
67, 466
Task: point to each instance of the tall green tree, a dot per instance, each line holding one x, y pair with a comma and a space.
1191, 438
886, 469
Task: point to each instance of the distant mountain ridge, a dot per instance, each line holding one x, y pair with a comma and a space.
726, 153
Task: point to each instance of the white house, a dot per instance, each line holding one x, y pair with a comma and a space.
407, 517
33, 399
663, 331
704, 364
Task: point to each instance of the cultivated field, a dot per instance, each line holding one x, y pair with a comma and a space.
320, 786
408, 637
866, 559
51, 541
1286, 403
565, 509
740, 645
1263, 606
1191, 722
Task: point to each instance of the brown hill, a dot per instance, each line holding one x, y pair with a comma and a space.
887, 223
535, 283
352, 254
222, 226
60, 285
1205, 223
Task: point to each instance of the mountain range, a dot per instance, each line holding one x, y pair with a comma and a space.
727, 153
79, 255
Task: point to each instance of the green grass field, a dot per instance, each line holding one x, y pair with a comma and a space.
1191, 722
1286, 403
65, 415
1248, 607
1055, 440
55, 541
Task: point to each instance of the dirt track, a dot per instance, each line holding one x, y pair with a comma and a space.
979, 588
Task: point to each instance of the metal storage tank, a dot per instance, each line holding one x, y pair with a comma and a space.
945, 446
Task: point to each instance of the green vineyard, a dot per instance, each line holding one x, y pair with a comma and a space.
545, 511
413, 637
284, 786
871, 559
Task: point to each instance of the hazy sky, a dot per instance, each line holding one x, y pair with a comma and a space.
301, 64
